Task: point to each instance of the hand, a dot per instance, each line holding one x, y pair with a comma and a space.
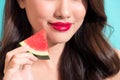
18, 64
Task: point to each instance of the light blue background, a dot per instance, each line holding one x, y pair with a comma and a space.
112, 8
113, 13
1, 14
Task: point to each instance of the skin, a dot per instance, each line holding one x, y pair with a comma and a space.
42, 12
20, 65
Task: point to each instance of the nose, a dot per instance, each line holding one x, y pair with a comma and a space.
63, 10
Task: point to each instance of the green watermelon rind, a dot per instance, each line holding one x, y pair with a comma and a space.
38, 54
42, 57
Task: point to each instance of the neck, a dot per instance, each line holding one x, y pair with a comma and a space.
55, 52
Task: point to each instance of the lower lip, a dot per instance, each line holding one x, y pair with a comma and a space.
61, 26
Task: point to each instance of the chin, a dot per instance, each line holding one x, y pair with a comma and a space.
58, 40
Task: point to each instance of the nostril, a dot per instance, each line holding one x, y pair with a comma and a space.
62, 15
63, 10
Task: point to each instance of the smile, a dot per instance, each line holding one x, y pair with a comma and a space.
61, 26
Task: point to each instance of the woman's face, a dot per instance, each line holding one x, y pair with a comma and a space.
60, 18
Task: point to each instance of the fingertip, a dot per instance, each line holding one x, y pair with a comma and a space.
35, 58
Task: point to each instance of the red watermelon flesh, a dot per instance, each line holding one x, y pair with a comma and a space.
38, 44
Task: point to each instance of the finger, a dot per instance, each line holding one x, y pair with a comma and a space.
12, 69
13, 52
25, 55
25, 67
27, 70
15, 71
21, 59
15, 65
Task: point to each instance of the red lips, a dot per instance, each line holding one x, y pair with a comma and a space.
61, 26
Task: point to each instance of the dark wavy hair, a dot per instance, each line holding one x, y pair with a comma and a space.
86, 56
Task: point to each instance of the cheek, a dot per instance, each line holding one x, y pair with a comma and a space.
79, 11
79, 16
38, 14
40, 11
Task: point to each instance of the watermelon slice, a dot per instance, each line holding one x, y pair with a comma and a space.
38, 44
